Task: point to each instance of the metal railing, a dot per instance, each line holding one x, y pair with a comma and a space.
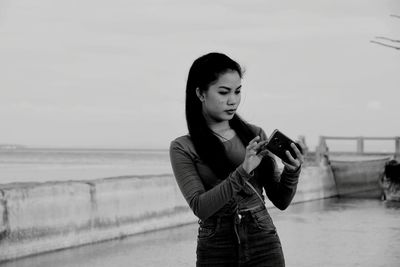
323, 149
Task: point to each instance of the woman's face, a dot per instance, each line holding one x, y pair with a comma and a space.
222, 98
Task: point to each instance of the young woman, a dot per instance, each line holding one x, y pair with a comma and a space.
222, 169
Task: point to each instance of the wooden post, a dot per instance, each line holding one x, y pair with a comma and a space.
360, 145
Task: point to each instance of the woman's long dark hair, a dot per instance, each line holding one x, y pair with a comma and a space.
203, 72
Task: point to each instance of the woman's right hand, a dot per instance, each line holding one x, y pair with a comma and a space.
253, 156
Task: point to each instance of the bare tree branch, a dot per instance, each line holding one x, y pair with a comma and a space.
391, 46
388, 39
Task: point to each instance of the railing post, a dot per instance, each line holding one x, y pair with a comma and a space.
397, 150
322, 149
360, 145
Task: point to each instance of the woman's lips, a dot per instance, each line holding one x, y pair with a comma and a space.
230, 111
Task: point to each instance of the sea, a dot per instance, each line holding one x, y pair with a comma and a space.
68, 164
65, 164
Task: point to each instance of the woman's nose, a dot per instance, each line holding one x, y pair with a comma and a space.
233, 99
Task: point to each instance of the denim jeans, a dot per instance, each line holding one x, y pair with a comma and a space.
247, 238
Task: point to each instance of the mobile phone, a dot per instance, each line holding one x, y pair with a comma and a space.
278, 144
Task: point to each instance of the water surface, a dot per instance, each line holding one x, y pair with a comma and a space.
58, 164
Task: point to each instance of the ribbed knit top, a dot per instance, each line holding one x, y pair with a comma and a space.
209, 195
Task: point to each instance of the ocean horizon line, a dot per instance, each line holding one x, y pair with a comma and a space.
61, 147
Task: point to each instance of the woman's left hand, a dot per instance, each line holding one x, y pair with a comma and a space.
294, 164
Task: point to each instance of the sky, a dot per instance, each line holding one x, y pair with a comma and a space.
112, 74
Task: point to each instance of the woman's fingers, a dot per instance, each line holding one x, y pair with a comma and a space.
253, 143
255, 147
294, 163
296, 150
260, 145
291, 167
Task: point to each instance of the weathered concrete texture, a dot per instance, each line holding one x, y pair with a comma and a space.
124, 200
47, 208
40, 213
358, 175
40, 217
3, 216
129, 205
315, 183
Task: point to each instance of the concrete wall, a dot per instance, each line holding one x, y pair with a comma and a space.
315, 182
40, 217
358, 176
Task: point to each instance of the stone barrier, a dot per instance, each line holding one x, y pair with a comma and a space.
42, 217
359, 176
315, 182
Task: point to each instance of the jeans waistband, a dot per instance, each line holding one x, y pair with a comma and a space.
233, 214
251, 209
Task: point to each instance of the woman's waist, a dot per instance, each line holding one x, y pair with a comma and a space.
232, 213
254, 219
238, 203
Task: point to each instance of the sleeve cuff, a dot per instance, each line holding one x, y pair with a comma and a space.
294, 173
244, 174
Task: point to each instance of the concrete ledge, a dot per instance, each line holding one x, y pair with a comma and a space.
358, 175
38, 213
3, 216
315, 183
126, 199
41, 217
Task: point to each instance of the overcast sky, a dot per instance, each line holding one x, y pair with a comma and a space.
112, 73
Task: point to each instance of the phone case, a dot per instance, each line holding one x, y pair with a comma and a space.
278, 144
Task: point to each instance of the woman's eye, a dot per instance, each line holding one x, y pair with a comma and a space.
223, 93
237, 92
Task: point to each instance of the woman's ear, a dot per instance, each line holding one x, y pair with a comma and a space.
199, 94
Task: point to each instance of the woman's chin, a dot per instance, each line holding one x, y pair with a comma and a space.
230, 115
222, 117
227, 117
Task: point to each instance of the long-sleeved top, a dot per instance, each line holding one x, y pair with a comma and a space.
209, 195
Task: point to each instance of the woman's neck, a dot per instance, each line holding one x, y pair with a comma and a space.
222, 130
219, 127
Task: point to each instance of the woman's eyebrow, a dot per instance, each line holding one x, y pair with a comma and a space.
228, 88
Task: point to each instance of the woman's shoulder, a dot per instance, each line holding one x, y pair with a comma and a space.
181, 141
184, 143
